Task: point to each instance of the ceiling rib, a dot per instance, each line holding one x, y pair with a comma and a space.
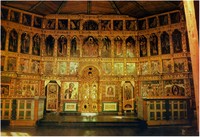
88, 7
171, 3
115, 7
60, 7
35, 6
141, 8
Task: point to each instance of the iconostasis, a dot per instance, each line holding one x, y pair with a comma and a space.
92, 63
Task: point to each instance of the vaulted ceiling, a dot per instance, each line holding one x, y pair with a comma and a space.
137, 9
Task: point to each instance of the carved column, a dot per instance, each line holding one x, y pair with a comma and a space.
9, 10
148, 45
170, 42
32, 20
81, 24
120, 98
183, 37
147, 23
169, 19
42, 45
124, 46
6, 48
124, 25
55, 46
159, 43
99, 24
69, 38
19, 33
18, 49
31, 43
80, 45
68, 25
55, 55
100, 44
137, 46
100, 97
112, 46
20, 17
111, 24
124, 54
7, 39
158, 21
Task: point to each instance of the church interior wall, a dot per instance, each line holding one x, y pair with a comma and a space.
87, 63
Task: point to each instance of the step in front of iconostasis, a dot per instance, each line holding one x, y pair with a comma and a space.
91, 120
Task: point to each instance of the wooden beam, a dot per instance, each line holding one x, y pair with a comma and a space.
60, 7
88, 7
115, 7
194, 48
4, 2
35, 6
141, 8
171, 3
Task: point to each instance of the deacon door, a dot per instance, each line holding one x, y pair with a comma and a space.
52, 97
128, 95
89, 90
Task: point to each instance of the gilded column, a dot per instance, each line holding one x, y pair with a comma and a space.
148, 45
80, 45
81, 24
124, 46
42, 45
68, 25
18, 49
159, 43
137, 46
19, 41
100, 45
55, 46
69, 38
20, 17
169, 19
32, 21
6, 48
170, 42
111, 25
120, 98
158, 21
124, 25
31, 43
9, 10
183, 36
124, 54
147, 23
112, 46
7, 39
55, 55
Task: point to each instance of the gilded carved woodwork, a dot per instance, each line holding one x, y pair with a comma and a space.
93, 55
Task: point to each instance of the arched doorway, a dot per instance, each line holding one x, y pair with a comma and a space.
89, 90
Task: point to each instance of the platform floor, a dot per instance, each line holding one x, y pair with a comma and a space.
55, 124
99, 131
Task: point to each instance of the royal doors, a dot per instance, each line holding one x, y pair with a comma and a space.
89, 90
